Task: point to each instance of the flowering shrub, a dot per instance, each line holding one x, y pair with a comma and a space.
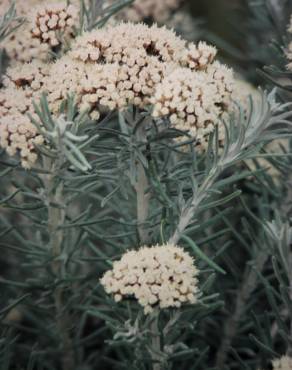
145, 194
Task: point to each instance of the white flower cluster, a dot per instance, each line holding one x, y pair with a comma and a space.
163, 276
195, 101
53, 20
42, 29
17, 133
130, 60
122, 65
284, 363
159, 11
141, 65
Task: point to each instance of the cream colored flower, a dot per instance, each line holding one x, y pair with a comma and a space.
195, 101
51, 23
284, 363
27, 76
20, 46
199, 57
134, 59
126, 64
163, 276
130, 60
118, 43
30, 41
64, 78
23, 84
19, 135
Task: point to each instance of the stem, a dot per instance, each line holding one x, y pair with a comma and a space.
155, 344
285, 209
188, 212
142, 203
231, 325
143, 198
56, 218
289, 350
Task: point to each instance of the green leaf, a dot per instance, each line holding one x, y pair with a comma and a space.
5, 310
199, 253
262, 346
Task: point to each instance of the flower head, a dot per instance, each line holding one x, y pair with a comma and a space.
23, 85
30, 41
125, 64
163, 275
134, 57
52, 20
195, 101
118, 43
64, 78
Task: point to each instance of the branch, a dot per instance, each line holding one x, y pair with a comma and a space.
241, 142
56, 218
231, 325
141, 188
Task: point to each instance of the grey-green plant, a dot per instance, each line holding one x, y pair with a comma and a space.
9, 22
98, 190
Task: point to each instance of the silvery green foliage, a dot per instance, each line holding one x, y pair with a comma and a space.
9, 22
96, 13
68, 218
65, 221
273, 324
256, 23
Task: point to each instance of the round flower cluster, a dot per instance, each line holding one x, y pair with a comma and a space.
51, 20
194, 101
118, 43
17, 134
127, 62
42, 31
153, 65
158, 11
163, 276
65, 77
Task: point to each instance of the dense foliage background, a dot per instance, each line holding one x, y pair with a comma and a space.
64, 221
